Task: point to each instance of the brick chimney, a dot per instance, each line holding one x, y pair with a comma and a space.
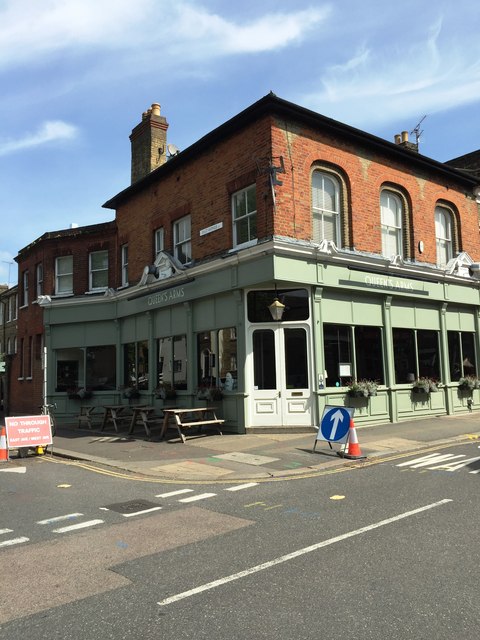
149, 143
402, 140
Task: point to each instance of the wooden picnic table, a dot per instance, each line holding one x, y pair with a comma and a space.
115, 413
145, 414
187, 418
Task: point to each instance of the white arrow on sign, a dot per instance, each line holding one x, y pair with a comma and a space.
336, 418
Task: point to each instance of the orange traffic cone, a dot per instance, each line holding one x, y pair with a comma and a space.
3, 445
353, 450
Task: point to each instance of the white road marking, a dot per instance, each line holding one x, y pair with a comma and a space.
2, 531
453, 466
15, 469
80, 525
68, 516
432, 458
299, 552
173, 493
201, 496
8, 543
242, 486
137, 513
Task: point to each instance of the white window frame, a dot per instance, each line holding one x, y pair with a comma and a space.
182, 239
159, 240
39, 278
240, 200
94, 271
321, 214
64, 275
391, 206
25, 288
124, 259
443, 235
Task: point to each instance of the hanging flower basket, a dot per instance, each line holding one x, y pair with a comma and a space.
80, 394
362, 389
131, 393
212, 394
165, 392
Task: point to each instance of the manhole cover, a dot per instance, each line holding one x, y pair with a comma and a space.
132, 506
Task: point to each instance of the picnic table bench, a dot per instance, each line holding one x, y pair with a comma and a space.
187, 418
145, 415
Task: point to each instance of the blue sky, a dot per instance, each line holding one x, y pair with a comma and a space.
76, 75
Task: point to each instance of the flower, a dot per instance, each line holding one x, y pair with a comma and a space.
468, 383
425, 384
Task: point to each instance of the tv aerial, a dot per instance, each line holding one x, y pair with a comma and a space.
416, 130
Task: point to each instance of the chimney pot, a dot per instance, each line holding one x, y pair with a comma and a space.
404, 136
398, 138
155, 109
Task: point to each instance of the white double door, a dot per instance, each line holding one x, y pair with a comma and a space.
280, 375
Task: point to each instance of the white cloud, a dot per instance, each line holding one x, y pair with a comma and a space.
407, 80
31, 31
50, 131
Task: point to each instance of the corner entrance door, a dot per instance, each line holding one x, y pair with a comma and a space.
280, 376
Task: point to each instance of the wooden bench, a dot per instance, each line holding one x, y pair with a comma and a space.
146, 416
85, 416
183, 420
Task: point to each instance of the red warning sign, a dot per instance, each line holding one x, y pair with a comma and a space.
28, 431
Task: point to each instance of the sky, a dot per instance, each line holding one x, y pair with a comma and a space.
76, 76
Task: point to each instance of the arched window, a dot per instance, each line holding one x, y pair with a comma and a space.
325, 207
391, 219
443, 235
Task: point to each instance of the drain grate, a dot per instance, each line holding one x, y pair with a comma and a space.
132, 506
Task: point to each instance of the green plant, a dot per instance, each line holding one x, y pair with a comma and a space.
468, 383
425, 384
165, 391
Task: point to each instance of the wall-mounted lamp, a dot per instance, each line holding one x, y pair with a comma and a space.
276, 308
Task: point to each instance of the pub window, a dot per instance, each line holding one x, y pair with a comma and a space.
92, 368
159, 240
124, 264
391, 221
39, 278
295, 301
172, 362
217, 359
325, 207
443, 236
416, 354
135, 364
244, 213
182, 241
64, 275
461, 354
352, 352
98, 270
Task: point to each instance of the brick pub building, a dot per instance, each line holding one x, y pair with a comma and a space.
280, 258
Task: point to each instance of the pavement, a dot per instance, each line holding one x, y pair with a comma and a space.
210, 457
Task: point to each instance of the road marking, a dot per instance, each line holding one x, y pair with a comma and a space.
242, 486
2, 531
138, 513
201, 496
298, 553
68, 516
453, 466
8, 543
15, 470
432, 458
173, 493
80, 525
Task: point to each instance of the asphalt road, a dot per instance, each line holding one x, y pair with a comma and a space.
384, 549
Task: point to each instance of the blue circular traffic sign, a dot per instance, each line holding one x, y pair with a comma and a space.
335, 424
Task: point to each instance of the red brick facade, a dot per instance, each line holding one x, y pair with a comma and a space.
26, 368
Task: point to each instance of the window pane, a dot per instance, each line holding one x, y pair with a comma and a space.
264, 365
142, 364
295, 301
64, 265
164, 362
129, 366
227, 358
101, 368
337, 348
207, 359
468, 354
296, 361
70, 371
369, 353
404, 355
180, 362
244, 205
428, 354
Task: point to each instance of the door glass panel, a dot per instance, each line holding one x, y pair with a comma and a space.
264, 370
296, 369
